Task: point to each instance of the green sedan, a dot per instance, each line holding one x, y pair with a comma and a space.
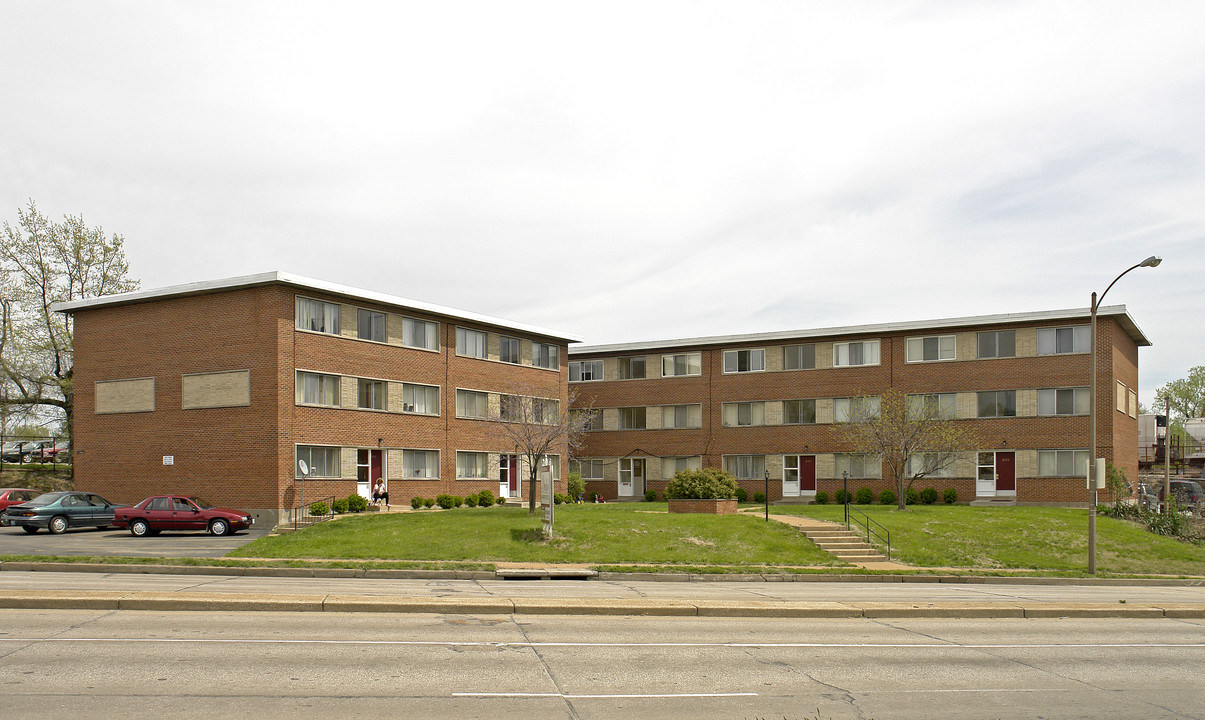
57, 511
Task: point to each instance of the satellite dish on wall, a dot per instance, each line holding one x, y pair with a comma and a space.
303, 467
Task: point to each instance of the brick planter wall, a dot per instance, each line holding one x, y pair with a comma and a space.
713, 507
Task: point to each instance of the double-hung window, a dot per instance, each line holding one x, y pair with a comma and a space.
371, 394
632, 418
317, 316
937, 406
590, 469
317, 389
420, 399
745, 467
858, 465
739, 361
470, 343
420, 334
681, 364
632, 368
420, 464
472, 404
1057, 341
850, 354
1063, 401
585, 370
1062, 463
744, 414
508, 350
931, 349
1000, 344
472, 465
671, 466
674, 417
855, 409
799, 357
998, 403
544, 355
370, 325
321, 461
798, 412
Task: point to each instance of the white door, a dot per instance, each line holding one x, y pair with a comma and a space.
631, 476
985, 478
790, 476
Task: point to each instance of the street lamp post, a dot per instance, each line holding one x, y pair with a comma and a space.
1152, 261
845, 495
767, 494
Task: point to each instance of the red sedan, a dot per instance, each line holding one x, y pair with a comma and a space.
16, 496
179, 512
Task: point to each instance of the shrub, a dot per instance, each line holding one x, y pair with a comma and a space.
759, 498
839, 497
864, 496
457, 501
949, 496
485, 498
557, 498
416, 503
705, 484
357, 503
822, 498
339, 506
319, 508
913, 497
887, 497
445, 501
501, 500
428, 502
742, 495
576, 486
471, 501
928, 496
650, 496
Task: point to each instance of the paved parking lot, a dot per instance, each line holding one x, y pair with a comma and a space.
89, 541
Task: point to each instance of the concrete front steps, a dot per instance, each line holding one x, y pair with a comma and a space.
844, 545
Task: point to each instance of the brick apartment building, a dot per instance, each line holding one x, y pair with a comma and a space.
221, 388
771, 404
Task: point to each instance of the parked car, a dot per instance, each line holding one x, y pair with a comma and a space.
20, 451
59, 452
1189, 494
180, 512
57, 511
16, 496
1146, 496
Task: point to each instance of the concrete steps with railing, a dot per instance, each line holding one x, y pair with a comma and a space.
844, 545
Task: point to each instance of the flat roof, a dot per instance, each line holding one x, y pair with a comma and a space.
303, 283
1118, 312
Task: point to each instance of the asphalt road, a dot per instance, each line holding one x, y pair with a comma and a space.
144, 664
93, 542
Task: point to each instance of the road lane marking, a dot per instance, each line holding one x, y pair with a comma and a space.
532, 644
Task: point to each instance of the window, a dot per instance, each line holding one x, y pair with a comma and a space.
317, 316
998, 403
589, 419
421, 399
472, 465
938, 406
671, 466
934, 465
855, 409
510, 408
858, 465
508, 350
420, 334
1056, 341
370, 325
850, 354
545, 356
323, 462
998, 344
680, 365
421, 464
472, 404
317, 389
590, 469
674, 417
371, 394
744, 414
631, 418
585, 370
470, 343
1133, 412
1121, 396
545, 411
631, 368
1063, 401
931, 349
799, 357
738, 361
798, 412
745, 467
1062, 463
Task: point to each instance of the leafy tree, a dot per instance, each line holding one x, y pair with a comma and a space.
1187, 395
910, 432
43, 262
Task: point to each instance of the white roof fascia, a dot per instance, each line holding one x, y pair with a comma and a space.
851, 330
303, 283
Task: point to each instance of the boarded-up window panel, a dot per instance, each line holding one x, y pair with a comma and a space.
216, 389
125, 396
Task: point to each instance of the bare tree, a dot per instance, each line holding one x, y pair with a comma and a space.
915, 435
43, 262
537, 426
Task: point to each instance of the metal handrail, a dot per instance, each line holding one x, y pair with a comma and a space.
303, 518
883, 537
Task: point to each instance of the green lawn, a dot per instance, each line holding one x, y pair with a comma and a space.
611, 534
1048, 539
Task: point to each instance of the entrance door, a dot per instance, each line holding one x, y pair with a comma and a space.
508, 476
985, 478
807, 474
790, 476
631, 476
1006, 473
369, 469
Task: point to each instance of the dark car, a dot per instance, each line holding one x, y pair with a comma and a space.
180, 512
1189, 494
57, 511
18, 451
16, 496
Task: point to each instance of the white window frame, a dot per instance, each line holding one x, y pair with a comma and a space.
382, 396
430, 339
578, 370
408, 391
481, 400
429, 469
694, 416
480, 465
632, 410
1063, 462
590, 468
801, 351
644, 367
945, 348
508, 348
1048, 399
843, 407
744, 414
996, 404
1079, 337
799, 400
325, 383
331, 457
471, 343
545, 355
327, 325
867, 350
690, 361
753, 360
995, 344
372, 324
745, 467
671, 466
866, 466
947, 405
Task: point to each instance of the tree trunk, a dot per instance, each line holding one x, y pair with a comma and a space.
531, 490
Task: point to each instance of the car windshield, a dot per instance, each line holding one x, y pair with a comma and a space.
201, 503
46, 498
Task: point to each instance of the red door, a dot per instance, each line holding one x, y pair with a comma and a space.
512, 475
374, 467
807, 473
1006, 472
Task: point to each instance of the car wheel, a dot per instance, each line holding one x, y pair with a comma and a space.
57, 525
219, 527
29, 529
139, 528
26, 458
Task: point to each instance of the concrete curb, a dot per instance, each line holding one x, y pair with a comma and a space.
262, 602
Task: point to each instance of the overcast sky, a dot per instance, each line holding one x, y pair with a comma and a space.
635, 171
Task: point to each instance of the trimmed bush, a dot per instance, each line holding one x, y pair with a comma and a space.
650, 496
501, 500
319, 508
339, 506
357, 503
445, 501
416, 503
913, 497
759, 498
949, 496
742, 495
485, 498
457, 501
822, 498
838, 497
864, 496
471, 501
558, 499
576, 487
887, 497
428, 502
705, 484
928, 496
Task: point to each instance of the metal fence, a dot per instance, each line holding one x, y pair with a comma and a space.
47, 450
